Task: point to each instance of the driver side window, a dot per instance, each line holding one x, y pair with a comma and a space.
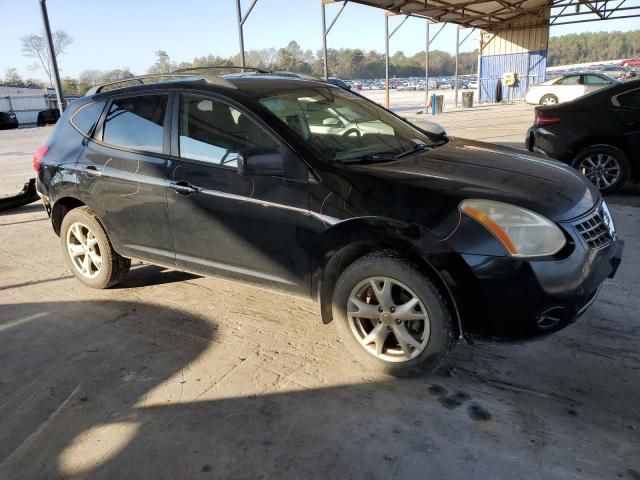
214, 132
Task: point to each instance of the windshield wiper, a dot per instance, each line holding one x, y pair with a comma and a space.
418, 148
369, 158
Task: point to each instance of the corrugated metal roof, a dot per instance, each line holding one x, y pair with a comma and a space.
498, 15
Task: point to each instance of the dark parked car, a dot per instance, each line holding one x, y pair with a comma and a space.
8, 120
598, 134
410, 240
48, 117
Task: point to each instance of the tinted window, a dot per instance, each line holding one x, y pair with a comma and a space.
214, 132
85, 118
137, 122
594, 80
572, 80
631, 99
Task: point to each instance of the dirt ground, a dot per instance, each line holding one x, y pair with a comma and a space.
177, 376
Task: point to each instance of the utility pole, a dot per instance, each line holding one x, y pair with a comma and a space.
52, 55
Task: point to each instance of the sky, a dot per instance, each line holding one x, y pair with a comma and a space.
125, 33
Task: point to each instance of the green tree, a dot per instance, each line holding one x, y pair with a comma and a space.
11, 77
163, 63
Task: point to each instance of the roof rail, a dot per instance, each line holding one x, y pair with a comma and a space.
175, 75
210, 67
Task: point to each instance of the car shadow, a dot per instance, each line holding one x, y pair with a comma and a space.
120, 389
145, 275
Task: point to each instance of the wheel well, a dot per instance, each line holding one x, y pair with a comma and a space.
60, 209
344, 257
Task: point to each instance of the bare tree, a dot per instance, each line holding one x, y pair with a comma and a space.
35, 46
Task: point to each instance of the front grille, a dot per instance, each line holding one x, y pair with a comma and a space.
595, 230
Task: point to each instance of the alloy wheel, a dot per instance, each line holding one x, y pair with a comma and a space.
84, 250
601, 168
549, 101
388, 319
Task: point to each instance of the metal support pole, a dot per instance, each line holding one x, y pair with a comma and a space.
325, 59
426, 70
386, 59
325, 32
240, 34
457, 54
387, 36
52, 55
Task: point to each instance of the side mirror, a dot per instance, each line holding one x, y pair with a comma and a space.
261, 164
331, 122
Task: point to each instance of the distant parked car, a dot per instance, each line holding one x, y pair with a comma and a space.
598, 134
631, 63
567, 87
8, 120
615, 71
473, 84
48, 117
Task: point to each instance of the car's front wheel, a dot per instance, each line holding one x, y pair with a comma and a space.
391, 317
606, 166
88, 251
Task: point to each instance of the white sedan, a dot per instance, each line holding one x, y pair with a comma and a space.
567, 88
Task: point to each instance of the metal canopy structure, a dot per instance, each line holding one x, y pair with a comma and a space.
497, 15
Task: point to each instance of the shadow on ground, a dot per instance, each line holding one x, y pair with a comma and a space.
99, 390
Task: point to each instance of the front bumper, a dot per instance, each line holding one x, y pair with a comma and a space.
503, 298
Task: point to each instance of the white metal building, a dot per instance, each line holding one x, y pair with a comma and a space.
26, 103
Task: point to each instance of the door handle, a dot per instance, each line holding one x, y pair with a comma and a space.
183, 188
92, 171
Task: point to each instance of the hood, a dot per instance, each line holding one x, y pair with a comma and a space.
464, 169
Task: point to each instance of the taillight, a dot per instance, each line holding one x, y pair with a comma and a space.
38, 156
541, 120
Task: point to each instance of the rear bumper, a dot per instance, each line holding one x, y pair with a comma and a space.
502, 298
542, 141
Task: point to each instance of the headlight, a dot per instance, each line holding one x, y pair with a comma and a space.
522, 232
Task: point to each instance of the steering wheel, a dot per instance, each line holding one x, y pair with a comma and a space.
352, 130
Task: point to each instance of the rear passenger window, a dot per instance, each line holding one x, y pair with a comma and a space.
571, 80
87, 116
631, 99
136, 122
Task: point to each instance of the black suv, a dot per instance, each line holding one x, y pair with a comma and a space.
410, 240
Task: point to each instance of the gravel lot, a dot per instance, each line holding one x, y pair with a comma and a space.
178, 376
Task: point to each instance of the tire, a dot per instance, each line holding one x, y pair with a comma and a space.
608, 158
82, 233
406, 282
549, 100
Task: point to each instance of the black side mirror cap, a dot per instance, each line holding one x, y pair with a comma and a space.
261, 164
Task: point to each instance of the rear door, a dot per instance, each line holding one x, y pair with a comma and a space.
629, 103
122, 176
250, 227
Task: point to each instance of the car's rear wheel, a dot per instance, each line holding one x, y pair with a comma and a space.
88, 251
391, 317
549, 100
606, 166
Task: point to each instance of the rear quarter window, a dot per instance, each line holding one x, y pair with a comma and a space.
86, 117
630, 99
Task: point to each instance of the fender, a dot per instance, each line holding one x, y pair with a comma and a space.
346, 241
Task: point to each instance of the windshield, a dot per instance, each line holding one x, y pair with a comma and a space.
343, 126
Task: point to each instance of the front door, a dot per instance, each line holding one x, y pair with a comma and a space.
122, 177
251, 227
